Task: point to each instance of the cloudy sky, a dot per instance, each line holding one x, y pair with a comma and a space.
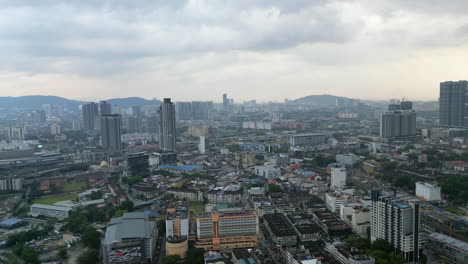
250, 49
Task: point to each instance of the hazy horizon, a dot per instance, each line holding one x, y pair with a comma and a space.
263, 50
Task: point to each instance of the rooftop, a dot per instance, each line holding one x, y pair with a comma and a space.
11, 221
279, 225
130, 225
450, 241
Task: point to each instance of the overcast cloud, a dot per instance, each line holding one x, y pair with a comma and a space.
199, 49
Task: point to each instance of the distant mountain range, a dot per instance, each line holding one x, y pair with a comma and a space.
36, 101
322, 100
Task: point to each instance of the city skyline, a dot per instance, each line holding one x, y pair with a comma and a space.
198, 49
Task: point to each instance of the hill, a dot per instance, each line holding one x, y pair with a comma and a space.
34, 101
31, 102
323, 100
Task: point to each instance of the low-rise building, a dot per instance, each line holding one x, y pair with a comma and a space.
280, 229
360, 221
224, 197
227, 229
440, 247
129, 239
56, 211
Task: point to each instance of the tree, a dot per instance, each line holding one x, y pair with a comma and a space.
96, 195
27, 254
359, 243
91, 238
381, 244
170, 259
272, 188
90, 256
62, 253
195, 256
127, 205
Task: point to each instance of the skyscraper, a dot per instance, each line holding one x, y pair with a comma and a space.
225, 102
398, 123
396, 220
167, 125
452, 109
105, 108
111, 132
90, 114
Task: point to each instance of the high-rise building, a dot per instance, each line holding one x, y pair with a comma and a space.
167, 125
183, 111
204, 144
131, 238
398, 124
90, 114
16, 132
138, 164
136, 110
227, 229
453, 111
111, 132
134, 124
201, 110
55, 129
177, 228
396, 220
225, 102
105, 108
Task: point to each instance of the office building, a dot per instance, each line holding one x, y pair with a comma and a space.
90, 114
396, 220
177, 228
306, 139
428, 192
338, 177
111, 132
130, 239
452, 104
138, 164
204, 145
167, 125
441, 248
398, 124
105, 108
227, 229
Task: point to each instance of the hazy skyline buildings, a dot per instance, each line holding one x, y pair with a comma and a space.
167, 125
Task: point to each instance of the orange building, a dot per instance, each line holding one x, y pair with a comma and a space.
227, 229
